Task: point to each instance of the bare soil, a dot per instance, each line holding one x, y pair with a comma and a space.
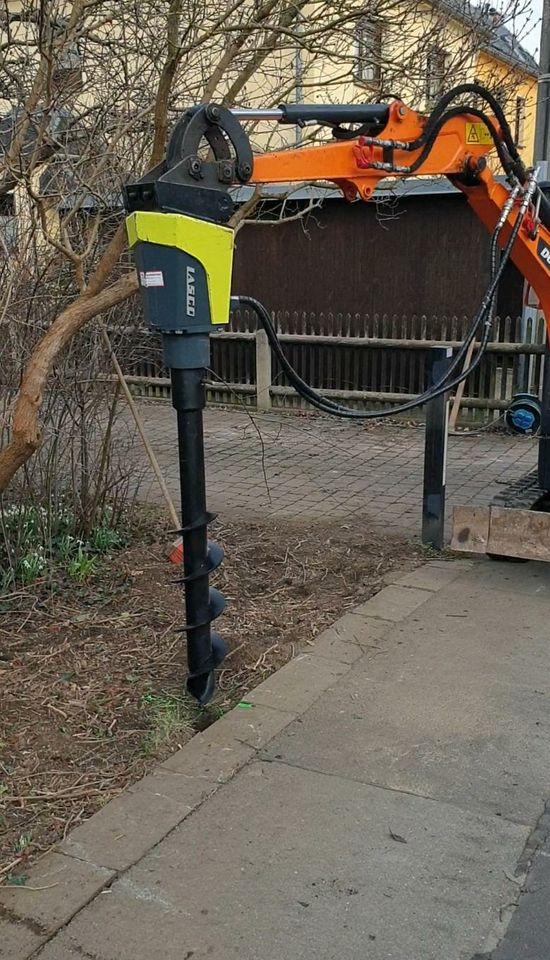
92, 676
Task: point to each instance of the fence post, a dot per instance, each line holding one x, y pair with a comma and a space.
435, 454
263, 371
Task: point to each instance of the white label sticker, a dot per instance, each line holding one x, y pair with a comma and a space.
151, 278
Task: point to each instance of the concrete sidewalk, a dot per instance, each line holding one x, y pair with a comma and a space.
381, 798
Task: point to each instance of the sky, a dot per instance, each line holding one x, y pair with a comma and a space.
527, 25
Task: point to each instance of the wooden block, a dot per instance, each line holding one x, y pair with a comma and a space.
470, 529
519, 533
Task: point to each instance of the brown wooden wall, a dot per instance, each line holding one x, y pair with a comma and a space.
427, 255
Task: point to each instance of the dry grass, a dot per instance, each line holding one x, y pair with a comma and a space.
92, 675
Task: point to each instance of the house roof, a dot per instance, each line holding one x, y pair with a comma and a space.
497, 39
415, 187
504, 45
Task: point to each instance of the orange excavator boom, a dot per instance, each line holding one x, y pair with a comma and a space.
459, 151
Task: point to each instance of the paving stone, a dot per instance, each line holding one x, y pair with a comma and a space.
298, 684
288, 863
309, 463
430, 577
253, 723
58, 886
330, 645
122, 831
17, 941
393, 603
166, 783
209, 758
60, 949
457, 563
455, 706
357, 628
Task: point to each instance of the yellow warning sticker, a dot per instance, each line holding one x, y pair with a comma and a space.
478, 133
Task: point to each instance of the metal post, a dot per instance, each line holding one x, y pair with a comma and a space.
205, 649
542, 133
541, 158
544, 436
435, 455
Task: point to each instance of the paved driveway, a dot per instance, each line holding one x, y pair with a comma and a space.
304, 467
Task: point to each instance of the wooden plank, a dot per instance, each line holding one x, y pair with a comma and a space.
346, 381
460, 389
337, 326
519, 533
523, 534
470, 529
385, 342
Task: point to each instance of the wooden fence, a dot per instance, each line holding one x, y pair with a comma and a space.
372, 360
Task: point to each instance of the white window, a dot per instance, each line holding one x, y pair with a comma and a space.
369, 51
8, 226
519, 125
67, 71
436, 69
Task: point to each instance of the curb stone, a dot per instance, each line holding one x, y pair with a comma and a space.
17, 940
58, 887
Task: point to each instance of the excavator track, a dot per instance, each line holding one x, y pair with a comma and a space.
523, 494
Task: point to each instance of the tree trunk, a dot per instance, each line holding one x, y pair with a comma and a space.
26, 436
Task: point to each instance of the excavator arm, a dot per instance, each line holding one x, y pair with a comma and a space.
459, 151
531, 250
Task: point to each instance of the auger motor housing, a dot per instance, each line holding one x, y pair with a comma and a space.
184, 267
184, 259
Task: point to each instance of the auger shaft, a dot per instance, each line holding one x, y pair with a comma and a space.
202, 604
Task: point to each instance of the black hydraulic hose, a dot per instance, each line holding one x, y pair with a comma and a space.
503, 153
505, 145
507, 150
512, 163
427, 143
324, 404
477, 90
443, 386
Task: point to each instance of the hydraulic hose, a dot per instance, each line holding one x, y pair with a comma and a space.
506, 148
484, 315
505, 145
427, 143
500, 145
477, 90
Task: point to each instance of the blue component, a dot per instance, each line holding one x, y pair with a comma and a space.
523, 416
523, 419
